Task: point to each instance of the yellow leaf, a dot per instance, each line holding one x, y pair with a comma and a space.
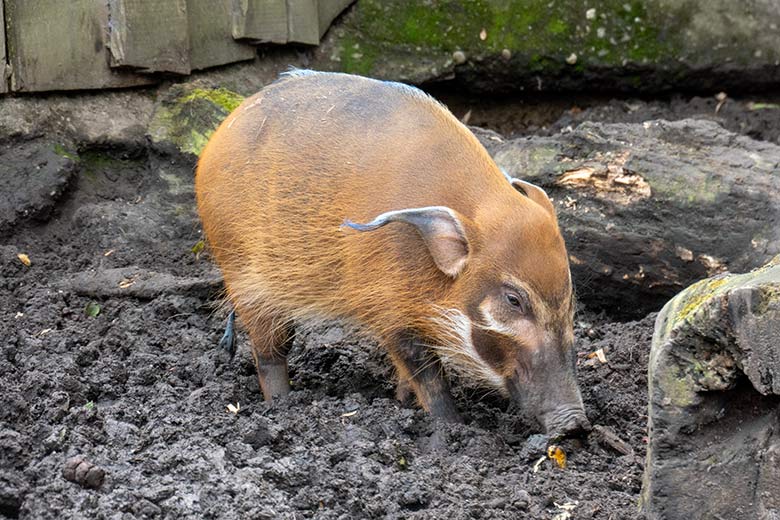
557, 454
198, 248
24, 259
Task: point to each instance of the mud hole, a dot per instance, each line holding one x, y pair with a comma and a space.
141, 391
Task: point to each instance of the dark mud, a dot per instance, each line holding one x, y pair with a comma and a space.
141, 392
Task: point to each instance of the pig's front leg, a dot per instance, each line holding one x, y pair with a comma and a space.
420, 370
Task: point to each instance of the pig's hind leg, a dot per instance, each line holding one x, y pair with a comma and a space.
420, 370
271, 338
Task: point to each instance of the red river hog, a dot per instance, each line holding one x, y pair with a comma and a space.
332, 196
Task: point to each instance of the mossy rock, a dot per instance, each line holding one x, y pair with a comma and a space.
714, 387
700, 319
693, 309
187, 115
543, 44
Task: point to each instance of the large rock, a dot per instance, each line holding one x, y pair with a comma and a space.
714, 415
644, 45
647, 209
34, 174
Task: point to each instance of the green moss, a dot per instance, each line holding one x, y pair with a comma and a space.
691, 187
557, 27
60, 150
222, 97
685, 305
188, 117
539, 33
763, 106
677, 386
357, 59
95, 163
697, 294
770, 298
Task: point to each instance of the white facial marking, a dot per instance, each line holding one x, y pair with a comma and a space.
458, 350
491, 324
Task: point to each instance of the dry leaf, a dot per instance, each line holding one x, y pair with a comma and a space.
600, 355
126, 282
234, 409
24, 259
721, 97
566, 512
557, 454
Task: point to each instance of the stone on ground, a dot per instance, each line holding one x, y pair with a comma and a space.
714, 414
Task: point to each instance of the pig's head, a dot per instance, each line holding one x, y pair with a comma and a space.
508, 315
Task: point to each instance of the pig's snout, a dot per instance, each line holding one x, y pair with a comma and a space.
565, 421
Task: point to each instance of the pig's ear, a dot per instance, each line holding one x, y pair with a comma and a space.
440, 227
535, 193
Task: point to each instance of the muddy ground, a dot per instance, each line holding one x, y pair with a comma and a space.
108, 351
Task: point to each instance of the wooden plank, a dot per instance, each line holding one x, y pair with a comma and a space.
303, 21
260, 20
329, 10
210, 30
3, 59
56, 45
150, 35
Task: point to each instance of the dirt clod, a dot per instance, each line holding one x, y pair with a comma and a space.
79, 470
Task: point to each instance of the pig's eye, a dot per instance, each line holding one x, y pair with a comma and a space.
516, 301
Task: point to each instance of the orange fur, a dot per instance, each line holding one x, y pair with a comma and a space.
287, 167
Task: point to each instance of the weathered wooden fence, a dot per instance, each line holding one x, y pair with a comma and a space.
92, 44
